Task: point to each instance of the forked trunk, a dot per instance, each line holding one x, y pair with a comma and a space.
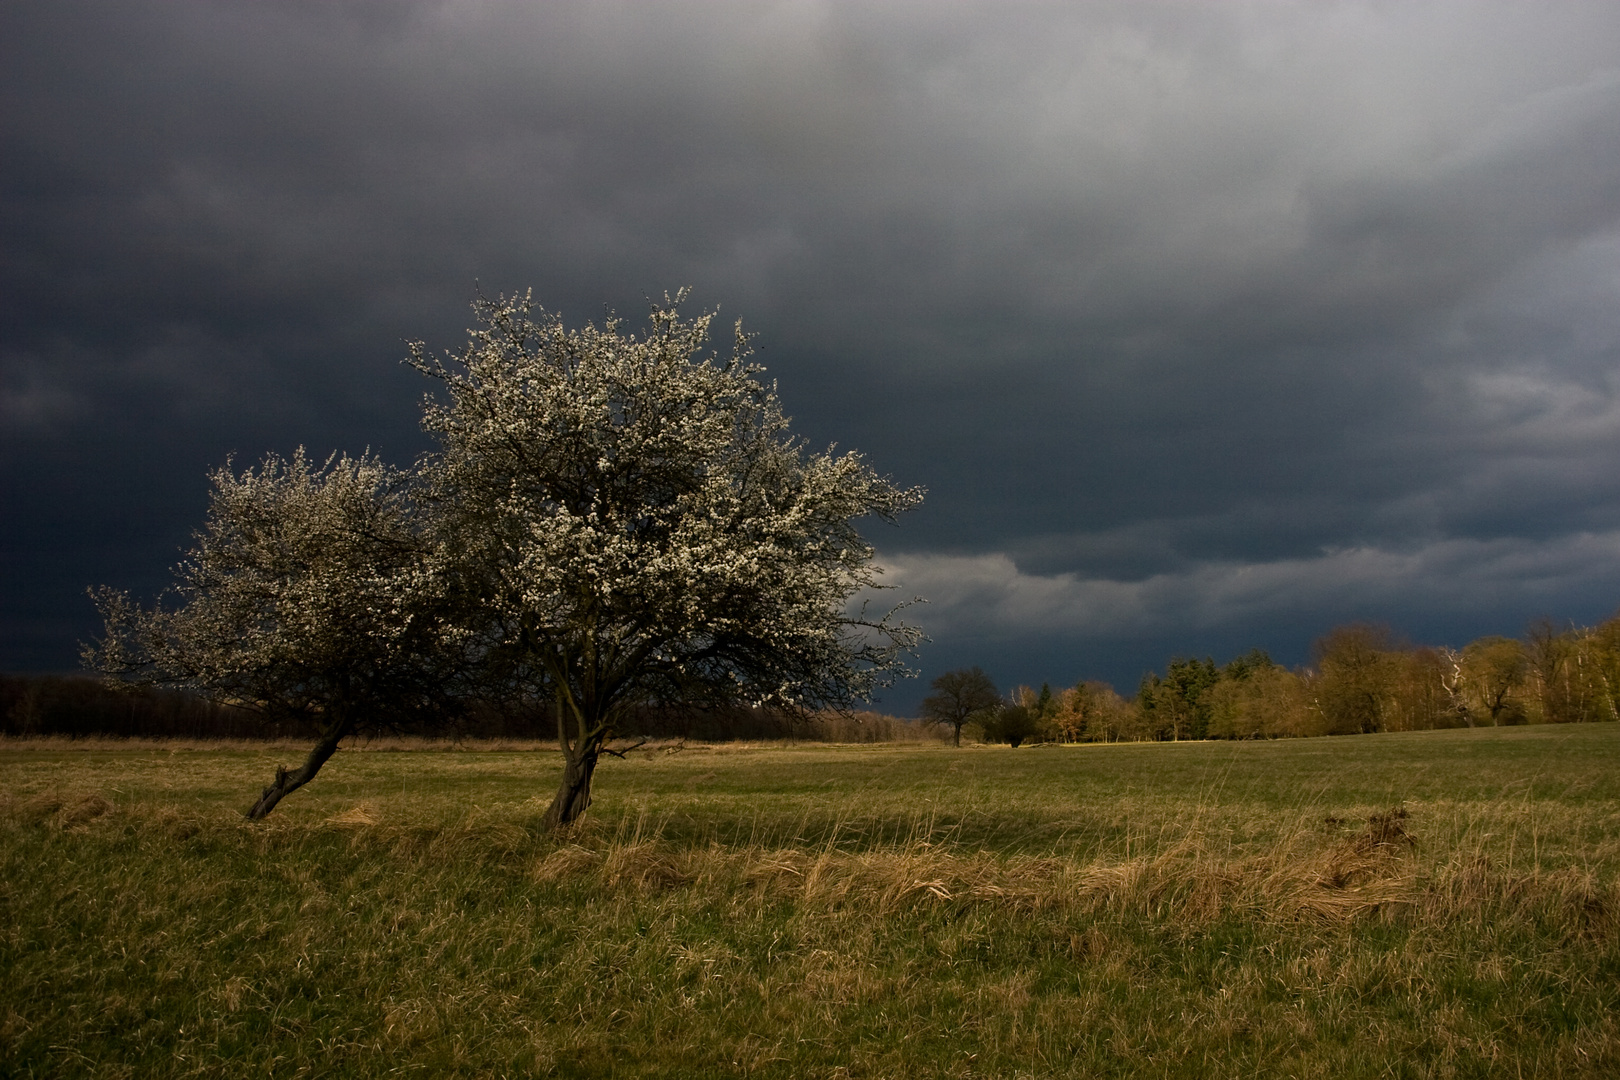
288, 782
574, 793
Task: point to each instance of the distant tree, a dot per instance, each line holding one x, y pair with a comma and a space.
1174, 706
1604, 645
1069, 713
309, 598
1566, 674
1089, 711
1012, 723
1494, 672
1042, 709
1256, 698
1109, 717
959, 697
1241, 667
1354, 676
637, 526
1417, 698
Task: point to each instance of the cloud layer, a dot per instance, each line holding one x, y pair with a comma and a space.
1227, 321
990, 594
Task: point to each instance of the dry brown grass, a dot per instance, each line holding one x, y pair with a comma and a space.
56, 809
1372, 873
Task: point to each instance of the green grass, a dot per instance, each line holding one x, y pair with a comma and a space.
1205, 909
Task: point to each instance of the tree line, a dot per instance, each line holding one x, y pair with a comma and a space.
81, 707
1360, 680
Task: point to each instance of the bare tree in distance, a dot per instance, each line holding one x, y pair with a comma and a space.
959, 697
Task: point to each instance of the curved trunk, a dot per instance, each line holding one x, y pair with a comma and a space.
287, 782
574, 792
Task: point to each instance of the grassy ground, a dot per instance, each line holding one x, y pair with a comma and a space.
1432, 904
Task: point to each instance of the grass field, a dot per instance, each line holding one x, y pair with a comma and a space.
1440, 904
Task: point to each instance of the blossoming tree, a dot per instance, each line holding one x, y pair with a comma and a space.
310, 596
629, 521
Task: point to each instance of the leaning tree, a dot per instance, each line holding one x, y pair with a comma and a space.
311, 596
631, 523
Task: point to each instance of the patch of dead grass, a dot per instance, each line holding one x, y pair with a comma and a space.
362, 816
1307, 880
54, 808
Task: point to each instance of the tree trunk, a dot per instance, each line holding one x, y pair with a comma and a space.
574, 793
288, 782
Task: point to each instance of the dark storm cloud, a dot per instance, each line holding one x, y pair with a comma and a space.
1196, 319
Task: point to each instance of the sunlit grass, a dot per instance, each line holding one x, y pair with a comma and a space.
1154, 910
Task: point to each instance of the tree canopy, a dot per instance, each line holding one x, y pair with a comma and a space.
310, 596
635, 524
959, 697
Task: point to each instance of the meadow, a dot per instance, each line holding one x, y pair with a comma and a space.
1424, 904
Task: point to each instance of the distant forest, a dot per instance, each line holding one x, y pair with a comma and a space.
1360, 680
83, 706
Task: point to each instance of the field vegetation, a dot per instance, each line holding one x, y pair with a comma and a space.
1423, 904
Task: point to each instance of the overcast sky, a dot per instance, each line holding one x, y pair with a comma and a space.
1206, 326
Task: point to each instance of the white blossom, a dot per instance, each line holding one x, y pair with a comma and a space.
310, 595
639, 525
